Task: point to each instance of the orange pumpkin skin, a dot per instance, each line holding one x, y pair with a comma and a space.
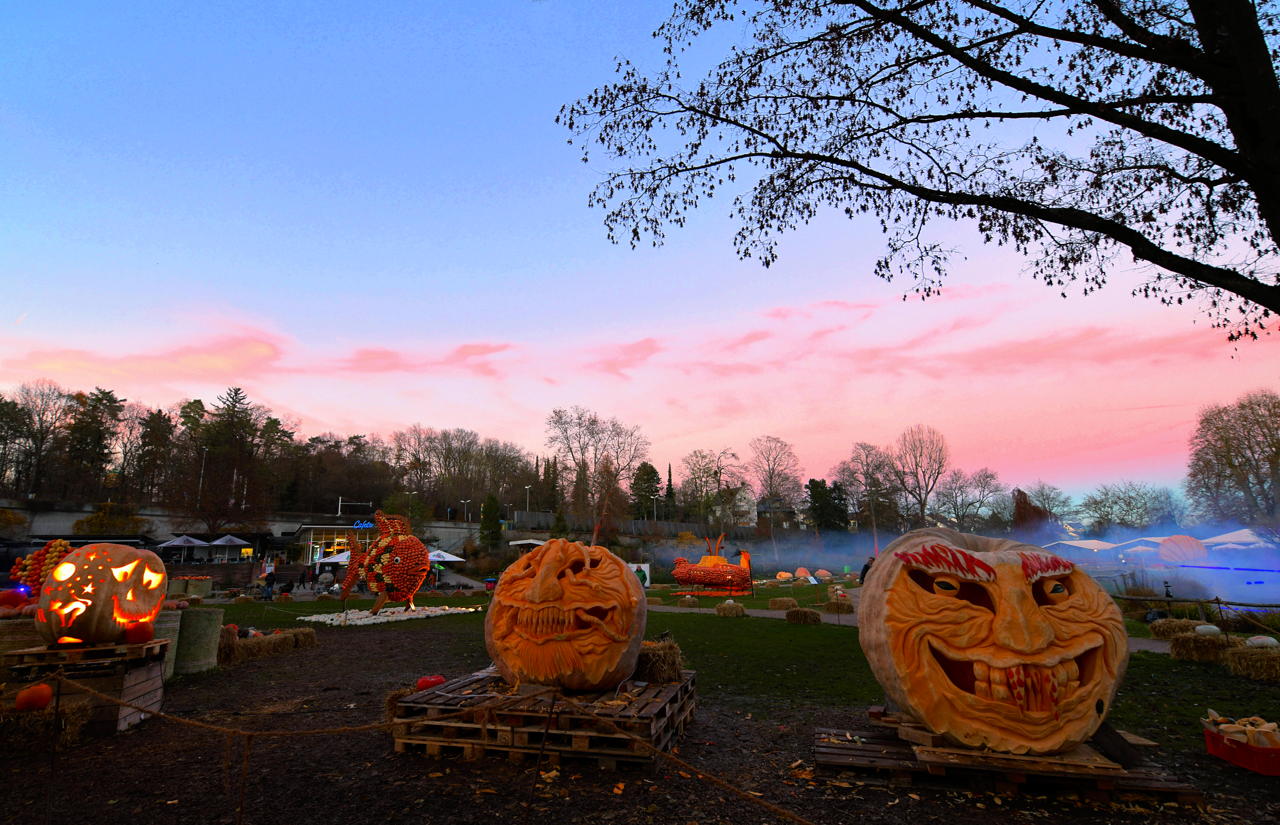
990, 642
96, 592
36, 697
569, 615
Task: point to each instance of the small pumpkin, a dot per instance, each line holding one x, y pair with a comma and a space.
35, 697
569, 615
992, 642
95, 593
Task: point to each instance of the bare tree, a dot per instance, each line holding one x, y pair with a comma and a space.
920, 458
1234, 471
775, 469
962, 496
1130, 504
46, 406
872, 486
708, 474
583, 438
1074, 132
1052, 500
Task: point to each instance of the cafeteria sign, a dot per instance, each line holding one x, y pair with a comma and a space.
363, 525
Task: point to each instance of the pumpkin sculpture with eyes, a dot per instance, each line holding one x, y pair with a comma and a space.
990, 642
101, 593
569, 615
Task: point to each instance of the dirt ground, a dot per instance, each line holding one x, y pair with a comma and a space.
163, 772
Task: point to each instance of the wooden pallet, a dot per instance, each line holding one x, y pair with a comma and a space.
479, 714
1083, 769
129, 673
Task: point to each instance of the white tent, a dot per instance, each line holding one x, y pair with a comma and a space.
184, 542
440, 555
337, 558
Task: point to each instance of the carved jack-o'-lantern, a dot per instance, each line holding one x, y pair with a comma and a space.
96, 593
991, 642
566, 614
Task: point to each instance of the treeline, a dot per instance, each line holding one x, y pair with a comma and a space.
230, 463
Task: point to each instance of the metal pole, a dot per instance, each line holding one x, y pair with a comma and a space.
200, 488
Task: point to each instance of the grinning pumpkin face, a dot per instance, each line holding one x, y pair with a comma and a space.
98, 591
992, 642
566, 614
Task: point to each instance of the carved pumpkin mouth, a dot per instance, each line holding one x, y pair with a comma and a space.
554, 623
1042, 686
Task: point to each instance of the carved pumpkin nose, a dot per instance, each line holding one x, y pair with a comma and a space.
1019, 625
546, 587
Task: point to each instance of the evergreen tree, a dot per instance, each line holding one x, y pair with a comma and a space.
88, 442
840, 505
669, 498
491, 523
550, 492
823, 512
646, 485
559, 527
580, 498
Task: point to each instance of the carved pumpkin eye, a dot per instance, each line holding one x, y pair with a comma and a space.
63, 571
122, 572
946, 586
151, 579
1051, 591
953, 587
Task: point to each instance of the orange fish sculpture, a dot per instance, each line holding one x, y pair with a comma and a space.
394, 564
714, 570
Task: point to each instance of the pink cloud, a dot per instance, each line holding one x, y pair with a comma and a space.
471, 358
747, 340
627, 357
231, 358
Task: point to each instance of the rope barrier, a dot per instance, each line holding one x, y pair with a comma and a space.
486, 711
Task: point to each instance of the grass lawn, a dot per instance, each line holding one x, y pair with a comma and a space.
807, 595
762, 664
270, 615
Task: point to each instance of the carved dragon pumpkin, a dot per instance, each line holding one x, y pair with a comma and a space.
100, 593
991, 642
566, 614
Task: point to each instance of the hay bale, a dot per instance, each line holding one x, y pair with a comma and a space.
1261, 664
326, 597
303, 637
838, 606
653, 600
771, 583
31, 730
731, 610
227, 639
283, 597
1194, 647
803, 615
393, 703
686, 601
1168, 628
785, 603
245, 600
659, 662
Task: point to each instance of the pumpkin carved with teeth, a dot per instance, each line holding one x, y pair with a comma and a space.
100, 593
569, 615
991, 642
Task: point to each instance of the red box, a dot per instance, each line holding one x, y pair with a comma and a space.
1265, 761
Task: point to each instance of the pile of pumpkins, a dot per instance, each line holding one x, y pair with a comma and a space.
1252, 730
16, 603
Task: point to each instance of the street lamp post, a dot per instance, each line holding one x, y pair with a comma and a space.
466, 510
200, 487
655, 507
526, 497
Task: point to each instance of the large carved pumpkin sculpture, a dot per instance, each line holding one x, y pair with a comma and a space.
101, 593
991, 642
569, 615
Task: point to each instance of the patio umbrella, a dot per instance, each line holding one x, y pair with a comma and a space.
184, 541
440, 555
230, 541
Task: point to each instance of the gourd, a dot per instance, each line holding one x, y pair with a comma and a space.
569, 615
991, 642
100, 593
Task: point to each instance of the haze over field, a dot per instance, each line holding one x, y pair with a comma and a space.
368, 221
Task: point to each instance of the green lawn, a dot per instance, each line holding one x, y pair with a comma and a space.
764, 665
807, 595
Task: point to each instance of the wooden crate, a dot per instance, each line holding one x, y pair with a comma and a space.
480, 714
1082, 769
129, 673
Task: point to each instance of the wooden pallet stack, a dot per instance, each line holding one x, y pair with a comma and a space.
131, 673
907, 752
479, 714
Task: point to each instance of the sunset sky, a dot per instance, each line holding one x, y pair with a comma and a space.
365, 215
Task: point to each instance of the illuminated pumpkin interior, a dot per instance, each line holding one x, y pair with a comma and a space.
1013, 648
96, 591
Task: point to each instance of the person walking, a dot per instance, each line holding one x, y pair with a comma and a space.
866, 568
268, 585
302, 579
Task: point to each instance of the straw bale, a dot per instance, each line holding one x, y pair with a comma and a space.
732, 610
838, 606
653, 600
326, 597
393, 702
303, 636
1261, 664
803, 615
687, 601
771, 583
1193, 647
785, 603
659, 662
1168, 628
283, 597
227, 639
245, 599
30, 730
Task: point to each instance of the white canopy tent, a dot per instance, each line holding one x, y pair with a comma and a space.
228, 541
440, 555
184, 542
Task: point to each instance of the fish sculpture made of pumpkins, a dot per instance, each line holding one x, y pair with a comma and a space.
566, 614
101, 593
991, 642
